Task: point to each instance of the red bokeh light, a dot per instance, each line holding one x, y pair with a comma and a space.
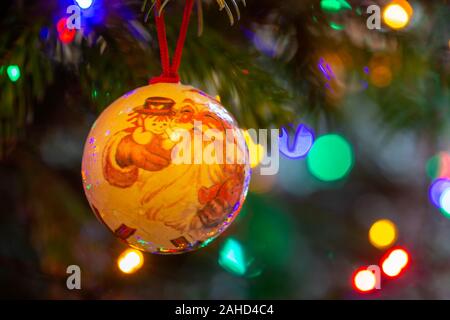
65, 34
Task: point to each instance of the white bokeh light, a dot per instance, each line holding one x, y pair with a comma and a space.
84, 4
444, 200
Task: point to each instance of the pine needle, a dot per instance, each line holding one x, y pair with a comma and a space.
223, 4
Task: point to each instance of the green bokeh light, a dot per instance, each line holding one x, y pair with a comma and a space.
94, 94
433, 166
330, 158
334, 5
232, 257
13, 72
336, 26
444, 213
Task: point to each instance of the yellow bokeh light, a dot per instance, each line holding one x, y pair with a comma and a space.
397, 14
130, 261
382, 234
365, 280
255, 150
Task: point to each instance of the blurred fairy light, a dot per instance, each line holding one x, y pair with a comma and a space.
330, 158
432, 166
397, 14
383, 233
439, 194
327, 71
94, 94
381, 73
394, 262
84, 4
300, 144
436, 189
444, 202
438, 166
333, 72
130, 261
13, 72
232, 257
334, 5
65, 34
336, 26
364, 280
256, 151
363, 83
381, 76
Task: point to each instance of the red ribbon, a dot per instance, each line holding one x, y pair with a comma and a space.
170, 72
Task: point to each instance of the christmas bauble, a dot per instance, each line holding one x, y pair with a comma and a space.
166, 168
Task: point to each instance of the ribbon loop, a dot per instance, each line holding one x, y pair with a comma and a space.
170, 72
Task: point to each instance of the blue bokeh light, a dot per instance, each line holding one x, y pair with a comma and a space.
437, 189
302, 142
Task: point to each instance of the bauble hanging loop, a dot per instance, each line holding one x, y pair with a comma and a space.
170, 71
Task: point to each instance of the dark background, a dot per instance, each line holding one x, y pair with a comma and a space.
303, 238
